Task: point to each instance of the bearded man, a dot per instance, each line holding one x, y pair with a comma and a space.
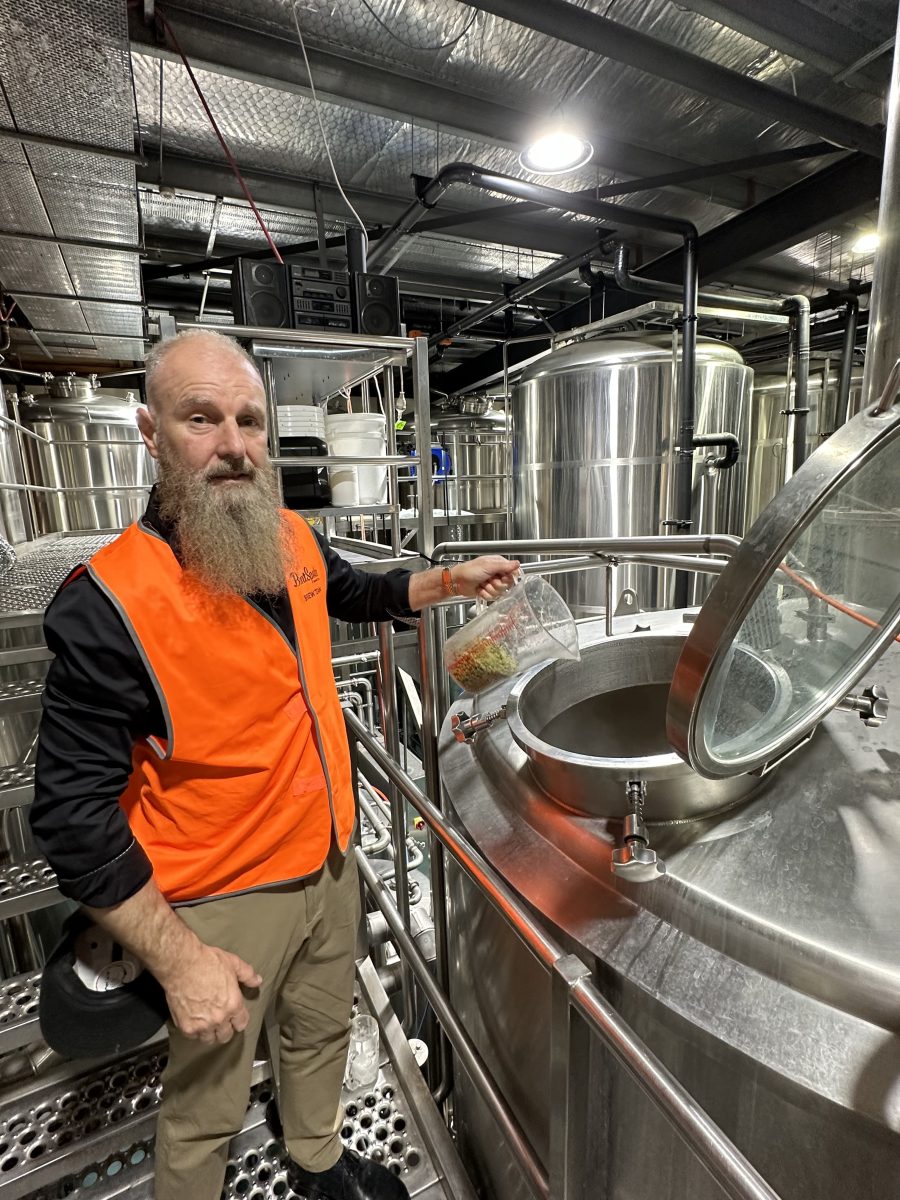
193, 788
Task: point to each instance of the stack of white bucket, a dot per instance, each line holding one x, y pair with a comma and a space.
352, 435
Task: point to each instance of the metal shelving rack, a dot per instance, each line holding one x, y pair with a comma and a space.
324, 364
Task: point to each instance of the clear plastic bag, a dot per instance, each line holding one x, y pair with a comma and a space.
530, 624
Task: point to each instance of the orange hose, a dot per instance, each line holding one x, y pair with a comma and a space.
829, 600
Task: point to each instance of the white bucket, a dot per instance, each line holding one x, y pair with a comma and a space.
351, 435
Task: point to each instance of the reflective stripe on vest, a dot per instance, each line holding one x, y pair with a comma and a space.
254, 772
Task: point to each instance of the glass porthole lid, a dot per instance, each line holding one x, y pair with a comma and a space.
807, 604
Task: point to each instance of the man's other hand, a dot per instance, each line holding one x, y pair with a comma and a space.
205, 997
488, 577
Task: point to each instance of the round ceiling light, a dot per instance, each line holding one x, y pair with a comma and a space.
866, 243
555, 152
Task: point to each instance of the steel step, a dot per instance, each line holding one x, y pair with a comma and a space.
26, 887
19, 1011
110, 1155
16, 785
20, 695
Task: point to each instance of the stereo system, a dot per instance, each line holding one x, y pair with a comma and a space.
296, 296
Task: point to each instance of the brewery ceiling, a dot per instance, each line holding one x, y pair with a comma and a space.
765, 115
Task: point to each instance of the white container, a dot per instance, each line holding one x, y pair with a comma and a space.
356, 435
300, 420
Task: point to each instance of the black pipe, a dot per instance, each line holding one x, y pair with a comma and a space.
732, 448
843, 397
356, 250
520, 189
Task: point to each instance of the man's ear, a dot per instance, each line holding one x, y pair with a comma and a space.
147, 427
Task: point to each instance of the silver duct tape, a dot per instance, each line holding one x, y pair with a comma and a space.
65, 69
103, 272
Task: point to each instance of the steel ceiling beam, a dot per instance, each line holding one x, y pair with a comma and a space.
566, 22
226, 49
841, 190
809, 35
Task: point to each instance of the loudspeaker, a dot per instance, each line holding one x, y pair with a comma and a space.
260, 294
376, 305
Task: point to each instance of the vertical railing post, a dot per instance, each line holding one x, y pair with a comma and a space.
570, 1046
391, 729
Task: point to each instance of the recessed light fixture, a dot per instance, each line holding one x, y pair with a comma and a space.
556, 151
866, 243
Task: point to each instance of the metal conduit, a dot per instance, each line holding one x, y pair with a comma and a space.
727, 1165
557, 270
846, 376
616, 547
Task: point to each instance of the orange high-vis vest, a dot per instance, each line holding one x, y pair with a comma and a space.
253, 776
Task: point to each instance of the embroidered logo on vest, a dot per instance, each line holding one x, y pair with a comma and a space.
307, 575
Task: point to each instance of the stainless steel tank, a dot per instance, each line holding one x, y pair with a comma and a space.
768, 463
594, 449
763, 966
91, 440
475, 438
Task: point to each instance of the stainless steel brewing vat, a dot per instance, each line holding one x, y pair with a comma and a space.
594, 435
769, 435
591, 727
14, 520
91, 441
763, 969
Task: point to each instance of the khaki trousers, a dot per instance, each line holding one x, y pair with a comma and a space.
301, 938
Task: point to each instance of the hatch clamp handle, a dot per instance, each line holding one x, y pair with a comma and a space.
465, 727
634, 860
872, 704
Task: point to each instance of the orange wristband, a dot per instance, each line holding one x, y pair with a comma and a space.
448, 583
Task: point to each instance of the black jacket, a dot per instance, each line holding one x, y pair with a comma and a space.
98, 701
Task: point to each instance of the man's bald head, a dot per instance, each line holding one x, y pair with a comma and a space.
190, 346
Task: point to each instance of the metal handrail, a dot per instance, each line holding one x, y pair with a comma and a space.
718, 1154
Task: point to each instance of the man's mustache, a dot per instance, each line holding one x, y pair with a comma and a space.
232, 470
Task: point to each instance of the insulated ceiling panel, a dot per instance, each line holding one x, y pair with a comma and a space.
114, 319
103, 272
21, 207
33, 266
505, 61
91, 210
63, 315
65, 69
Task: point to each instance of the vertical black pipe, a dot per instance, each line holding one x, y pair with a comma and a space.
356, 250
684, 481
842, 413
801, 386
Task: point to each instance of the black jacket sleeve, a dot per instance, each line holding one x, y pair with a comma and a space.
360, 596
97, 701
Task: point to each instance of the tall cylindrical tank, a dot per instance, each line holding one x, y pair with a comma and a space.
769, 432
91, 441
594, 435
475, 438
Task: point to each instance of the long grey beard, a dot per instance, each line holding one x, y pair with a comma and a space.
233, 538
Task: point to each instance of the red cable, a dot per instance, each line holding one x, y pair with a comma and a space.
830, 600
212, 120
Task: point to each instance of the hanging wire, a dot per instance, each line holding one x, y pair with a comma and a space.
412, 45
312, 88
232, 162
